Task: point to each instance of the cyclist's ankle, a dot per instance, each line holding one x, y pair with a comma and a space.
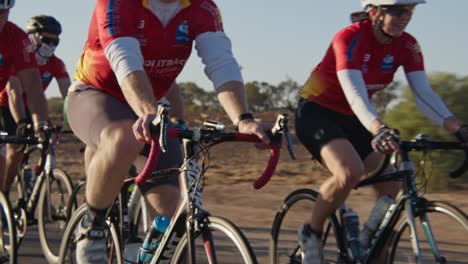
94, 217
308, 230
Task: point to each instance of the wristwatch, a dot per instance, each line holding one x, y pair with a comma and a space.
244, 116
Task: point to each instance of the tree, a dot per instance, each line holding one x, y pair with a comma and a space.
410, 122
196, 98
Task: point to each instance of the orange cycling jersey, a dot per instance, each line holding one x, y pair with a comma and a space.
356, 48
165, 49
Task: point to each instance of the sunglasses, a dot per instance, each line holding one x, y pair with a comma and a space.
50, 40
398, 10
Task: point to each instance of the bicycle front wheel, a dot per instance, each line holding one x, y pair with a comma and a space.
7, 232
67, 252
296, 208
52, 212
227, 244
450, 229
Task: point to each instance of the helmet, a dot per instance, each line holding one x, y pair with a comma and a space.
6, 4
43, 24
366, 3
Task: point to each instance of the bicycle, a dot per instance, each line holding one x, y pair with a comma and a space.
40, 185
398, 231
192, 228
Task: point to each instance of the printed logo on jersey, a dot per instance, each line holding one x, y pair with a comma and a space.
1, 60
387, 63
182, 33
141, 24
367, 57
46, 77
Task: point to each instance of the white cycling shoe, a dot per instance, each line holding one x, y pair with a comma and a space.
90, 245
311, 246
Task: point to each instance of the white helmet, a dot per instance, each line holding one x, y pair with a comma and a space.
365, 3
6, 4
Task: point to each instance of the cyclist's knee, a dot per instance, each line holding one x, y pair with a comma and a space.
119, 136
347, 178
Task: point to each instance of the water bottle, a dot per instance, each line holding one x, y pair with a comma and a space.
151, 242
351, 225
375, 218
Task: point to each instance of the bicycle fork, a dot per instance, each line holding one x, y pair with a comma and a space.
426, 227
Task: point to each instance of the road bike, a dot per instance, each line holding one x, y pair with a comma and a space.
193, 236
441, 236
39, 185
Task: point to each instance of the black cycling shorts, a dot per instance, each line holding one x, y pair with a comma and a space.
7, 123
317, 125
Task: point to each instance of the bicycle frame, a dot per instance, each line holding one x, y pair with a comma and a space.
189, 213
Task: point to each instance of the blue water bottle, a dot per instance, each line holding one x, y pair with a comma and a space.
153, 238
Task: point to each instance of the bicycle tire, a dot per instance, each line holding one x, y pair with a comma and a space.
284, 245
8, 248
217, 225
73, 202
64, 188
438, 214
67, 245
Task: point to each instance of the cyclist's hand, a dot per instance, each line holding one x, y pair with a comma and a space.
24, 128
462, 133
141, 128
252, 127
386, 140
41, 130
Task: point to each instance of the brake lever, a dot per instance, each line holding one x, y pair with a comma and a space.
162, 120
281, 127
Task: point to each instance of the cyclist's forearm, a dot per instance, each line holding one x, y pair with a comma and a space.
15, 99
64, 84
136, 88
233, 98
31, 83
174, 96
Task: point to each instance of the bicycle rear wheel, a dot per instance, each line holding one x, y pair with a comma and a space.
67, 252
296, 208
7, 232
450, 228
52, 212
228, 244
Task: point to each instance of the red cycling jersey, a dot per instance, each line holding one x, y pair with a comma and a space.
165, 50
54, 68
16, 52
356, 48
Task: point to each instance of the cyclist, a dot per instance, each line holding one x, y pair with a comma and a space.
335, 119
133, 53
43, 32
17, 57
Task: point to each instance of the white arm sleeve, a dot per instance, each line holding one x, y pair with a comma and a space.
124, 56
426, 100
214, 48
356, 94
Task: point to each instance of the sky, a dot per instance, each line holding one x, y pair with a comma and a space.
275, 40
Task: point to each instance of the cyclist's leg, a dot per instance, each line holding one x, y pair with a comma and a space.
322, 133
104, 124
13, 155
162, 193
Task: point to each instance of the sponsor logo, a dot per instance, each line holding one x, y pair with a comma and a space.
164, 63
364, 68
170, 249
46, 77
1, 60
182, 33
387, 63
141, 24
367, 57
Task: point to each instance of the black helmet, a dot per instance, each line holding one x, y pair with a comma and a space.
6, 4
43, 24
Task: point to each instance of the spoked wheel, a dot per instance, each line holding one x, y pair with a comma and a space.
450, 228
7, 232
296, 208
52, 212
228, 244
67, 252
